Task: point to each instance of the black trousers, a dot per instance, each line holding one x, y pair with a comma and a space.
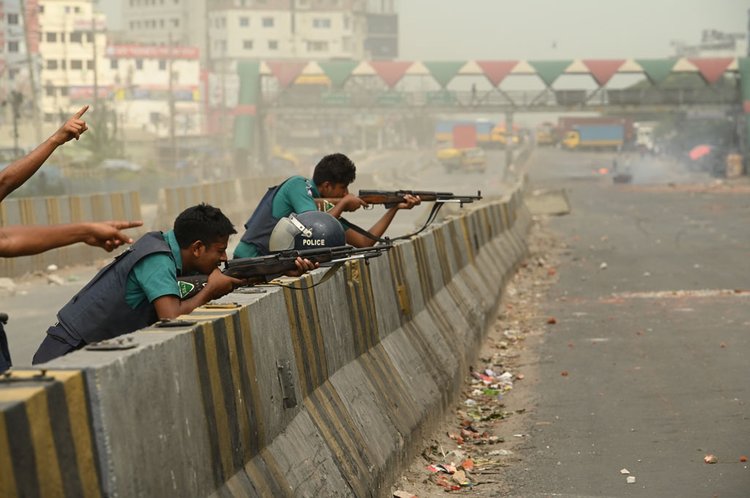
57, 343
5, 362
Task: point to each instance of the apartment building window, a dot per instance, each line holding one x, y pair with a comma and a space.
162, 65
321, 23
49, 91
244, 22
12, 46
90, 64
273, 45
317, 46
76, 64
51, 64
114, 63
139, 64
175, 23
268, 22
12, 18
247, 44
76, 37
51, 37
64, 89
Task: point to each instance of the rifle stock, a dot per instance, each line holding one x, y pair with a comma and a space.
262, 269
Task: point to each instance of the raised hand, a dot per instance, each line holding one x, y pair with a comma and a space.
72, 128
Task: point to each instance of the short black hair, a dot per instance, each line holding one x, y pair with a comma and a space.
202, 222
334, 168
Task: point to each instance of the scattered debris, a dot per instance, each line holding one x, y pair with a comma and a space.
630, 480
55, 280
743, 458
603, 266
403, 494
710, 458
624, 471
51, 268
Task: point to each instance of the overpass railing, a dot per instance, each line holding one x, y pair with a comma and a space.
510, 100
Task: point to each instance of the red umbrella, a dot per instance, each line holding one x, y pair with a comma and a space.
699, 151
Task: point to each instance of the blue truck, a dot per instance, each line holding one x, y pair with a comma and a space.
595, 136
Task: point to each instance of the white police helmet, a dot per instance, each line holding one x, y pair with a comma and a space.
309, 230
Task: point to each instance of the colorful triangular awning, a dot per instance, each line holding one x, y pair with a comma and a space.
390, 72
445, 71
338, 71
286, 71
603, 70
496, 71
712, 69
656, 70
549, 71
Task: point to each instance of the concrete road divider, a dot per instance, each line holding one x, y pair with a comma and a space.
322, 391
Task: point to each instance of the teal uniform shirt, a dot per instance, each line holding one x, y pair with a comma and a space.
155, 275
296, 195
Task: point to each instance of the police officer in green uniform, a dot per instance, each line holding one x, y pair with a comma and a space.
140, 286
331, 179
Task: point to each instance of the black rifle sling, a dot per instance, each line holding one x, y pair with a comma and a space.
430, 218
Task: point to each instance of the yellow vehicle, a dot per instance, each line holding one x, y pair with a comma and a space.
498, 136
448, 155
473, 159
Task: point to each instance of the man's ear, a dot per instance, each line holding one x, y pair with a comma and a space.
197, 248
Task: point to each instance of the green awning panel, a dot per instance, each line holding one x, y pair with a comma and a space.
744, 67
549, 71
656, 69
244, 122
338, 71
444, 72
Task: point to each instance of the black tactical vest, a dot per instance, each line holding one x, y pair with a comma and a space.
99, 310
262, 222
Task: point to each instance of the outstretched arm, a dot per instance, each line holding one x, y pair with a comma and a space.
379, 228
20, 170
21, 240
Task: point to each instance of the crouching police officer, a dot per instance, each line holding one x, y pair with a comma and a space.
140, 286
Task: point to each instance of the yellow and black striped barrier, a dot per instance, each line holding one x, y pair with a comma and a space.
47, 445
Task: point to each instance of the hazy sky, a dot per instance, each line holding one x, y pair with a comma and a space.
528, 29
538, 29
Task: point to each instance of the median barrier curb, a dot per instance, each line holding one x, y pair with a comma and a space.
324, 391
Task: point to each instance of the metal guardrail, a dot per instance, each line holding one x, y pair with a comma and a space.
538, 100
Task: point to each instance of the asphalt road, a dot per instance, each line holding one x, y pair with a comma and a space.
34, 305
647, 367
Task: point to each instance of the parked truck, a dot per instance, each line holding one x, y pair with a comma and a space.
595, 136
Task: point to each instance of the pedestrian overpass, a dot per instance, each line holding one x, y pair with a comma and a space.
270, 88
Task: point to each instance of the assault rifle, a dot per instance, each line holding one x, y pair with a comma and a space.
263, 269
392, 198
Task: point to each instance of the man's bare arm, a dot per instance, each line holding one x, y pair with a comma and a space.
20, 170
218, 285
21, 240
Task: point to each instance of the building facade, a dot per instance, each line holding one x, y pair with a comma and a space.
157, 89
72, 48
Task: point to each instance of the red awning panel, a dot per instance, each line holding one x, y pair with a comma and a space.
711, 69
496, 71
390, 72
603, 70
286, 71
